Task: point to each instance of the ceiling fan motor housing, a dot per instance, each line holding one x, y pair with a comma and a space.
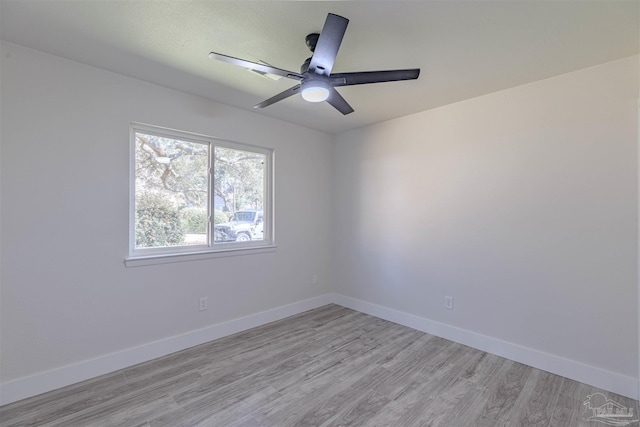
305, 66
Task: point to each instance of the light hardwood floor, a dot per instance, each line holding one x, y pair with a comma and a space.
327, 367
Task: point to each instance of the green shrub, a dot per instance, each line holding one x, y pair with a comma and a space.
194, 220
219, 217
157, 223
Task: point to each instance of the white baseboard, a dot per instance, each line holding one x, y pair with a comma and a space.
60, 377
598, 377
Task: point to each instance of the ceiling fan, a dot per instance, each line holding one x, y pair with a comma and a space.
317, 84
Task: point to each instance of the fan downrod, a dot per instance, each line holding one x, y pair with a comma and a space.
311, 40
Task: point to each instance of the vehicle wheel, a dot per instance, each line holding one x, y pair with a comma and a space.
243, 237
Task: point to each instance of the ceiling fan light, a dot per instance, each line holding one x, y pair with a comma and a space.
315, 91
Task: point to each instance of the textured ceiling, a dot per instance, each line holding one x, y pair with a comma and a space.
465, 49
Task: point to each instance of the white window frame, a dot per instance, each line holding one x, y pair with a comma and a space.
147, 256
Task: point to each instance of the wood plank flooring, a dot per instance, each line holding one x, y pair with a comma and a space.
327, 367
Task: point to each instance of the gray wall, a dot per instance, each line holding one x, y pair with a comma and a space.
521, 204
66, 294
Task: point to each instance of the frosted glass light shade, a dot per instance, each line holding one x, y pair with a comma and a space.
315, 91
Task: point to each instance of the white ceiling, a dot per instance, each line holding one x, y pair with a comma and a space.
464, 48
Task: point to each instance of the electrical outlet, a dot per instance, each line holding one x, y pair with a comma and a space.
204, 303
315, 280
448, 303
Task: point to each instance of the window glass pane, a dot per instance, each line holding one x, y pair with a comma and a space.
239, 195
171, 192
189, 194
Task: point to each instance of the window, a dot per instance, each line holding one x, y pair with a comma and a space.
197, 194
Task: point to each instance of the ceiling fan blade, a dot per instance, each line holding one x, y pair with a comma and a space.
366, 77
279, 97
328, 44
339, 103
255, 66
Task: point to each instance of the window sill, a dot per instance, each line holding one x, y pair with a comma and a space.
139, 261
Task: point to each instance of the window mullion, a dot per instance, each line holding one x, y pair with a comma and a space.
212, 196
